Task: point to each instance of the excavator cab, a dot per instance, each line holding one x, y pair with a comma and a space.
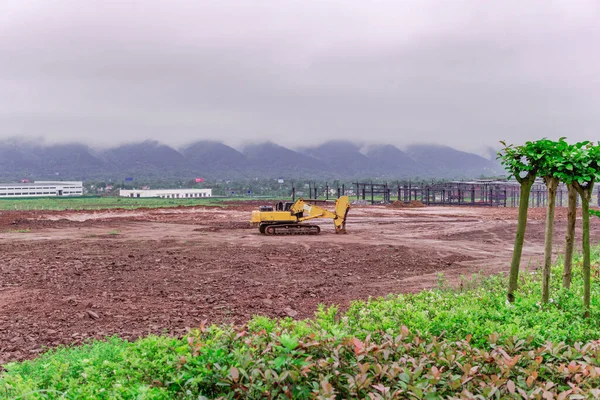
281, 206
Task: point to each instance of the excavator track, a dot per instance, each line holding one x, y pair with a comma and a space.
290, 229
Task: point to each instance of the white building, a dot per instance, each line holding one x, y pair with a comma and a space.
41, 189
167, 193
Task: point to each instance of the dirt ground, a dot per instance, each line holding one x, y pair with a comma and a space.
71, 276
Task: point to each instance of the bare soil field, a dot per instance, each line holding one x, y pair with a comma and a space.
71, 276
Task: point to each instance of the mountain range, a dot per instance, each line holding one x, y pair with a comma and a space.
214, 160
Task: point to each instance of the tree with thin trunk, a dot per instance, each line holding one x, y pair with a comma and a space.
552, 185
585, 192
570, 236
582, 168
550, 157
519, 161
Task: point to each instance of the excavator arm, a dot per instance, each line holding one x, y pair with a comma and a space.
310, 211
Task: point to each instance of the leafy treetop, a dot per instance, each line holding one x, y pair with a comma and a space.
549, 157
579, 164
519, 160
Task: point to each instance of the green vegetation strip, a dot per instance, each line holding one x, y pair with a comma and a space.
98, 203
442, 343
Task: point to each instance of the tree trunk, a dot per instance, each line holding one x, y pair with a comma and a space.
586, 194
551, 184
521, 226
570, 238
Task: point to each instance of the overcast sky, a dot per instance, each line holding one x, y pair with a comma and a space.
460, 72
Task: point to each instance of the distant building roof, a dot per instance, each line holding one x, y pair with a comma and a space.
41, 183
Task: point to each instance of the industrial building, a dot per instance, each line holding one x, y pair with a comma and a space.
167, 193
41, 189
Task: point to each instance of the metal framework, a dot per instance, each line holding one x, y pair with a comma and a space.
478, 193
482, 193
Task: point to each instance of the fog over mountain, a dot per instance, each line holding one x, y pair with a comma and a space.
152, 160
299, 73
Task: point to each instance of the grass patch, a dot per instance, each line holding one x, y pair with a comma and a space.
26, 230
114, 233
438, 343
100, 203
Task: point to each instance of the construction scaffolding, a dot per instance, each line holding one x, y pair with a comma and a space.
381, 190
479, 193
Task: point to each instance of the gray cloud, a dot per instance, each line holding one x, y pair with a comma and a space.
464, 72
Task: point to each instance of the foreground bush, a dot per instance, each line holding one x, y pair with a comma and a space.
230, 363
435, 344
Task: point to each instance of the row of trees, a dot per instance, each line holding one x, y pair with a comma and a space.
576, 165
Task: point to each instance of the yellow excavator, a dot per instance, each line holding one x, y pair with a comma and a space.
286, 218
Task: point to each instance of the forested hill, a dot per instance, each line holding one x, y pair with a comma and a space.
214, 160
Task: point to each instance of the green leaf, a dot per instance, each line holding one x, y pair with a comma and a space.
289, 342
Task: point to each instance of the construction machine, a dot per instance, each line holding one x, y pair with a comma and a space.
286, 218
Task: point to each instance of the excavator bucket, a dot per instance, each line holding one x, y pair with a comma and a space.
342, 205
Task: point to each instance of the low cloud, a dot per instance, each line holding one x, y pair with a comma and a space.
463, 73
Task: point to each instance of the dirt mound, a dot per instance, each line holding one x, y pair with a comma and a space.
57, 292
411, 204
